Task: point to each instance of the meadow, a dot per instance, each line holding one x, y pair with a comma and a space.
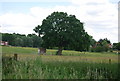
71, 65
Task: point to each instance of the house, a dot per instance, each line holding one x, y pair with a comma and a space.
4, 43
98, 44
110, 45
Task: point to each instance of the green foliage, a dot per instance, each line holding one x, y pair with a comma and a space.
92, 41
104, 42
62, 30
31, 40
100, 49
101, 46
116, 46
37, 41
8, 37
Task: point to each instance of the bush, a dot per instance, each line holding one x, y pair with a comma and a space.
100, 49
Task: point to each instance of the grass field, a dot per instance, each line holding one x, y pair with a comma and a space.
71, 65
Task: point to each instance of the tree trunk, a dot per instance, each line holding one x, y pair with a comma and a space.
59, 52
39, 35
38, 51
41, 50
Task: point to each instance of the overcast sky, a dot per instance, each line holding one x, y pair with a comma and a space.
100, 17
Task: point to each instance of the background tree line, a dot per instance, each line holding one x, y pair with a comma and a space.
116, 46
30, 40
102, 45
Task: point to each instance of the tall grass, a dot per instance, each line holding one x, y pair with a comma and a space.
38, 69
71, 65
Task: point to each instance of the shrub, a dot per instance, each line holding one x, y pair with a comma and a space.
100, 49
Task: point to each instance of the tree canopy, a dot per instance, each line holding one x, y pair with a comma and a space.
103, 45
116, 46
61, 30
31, 40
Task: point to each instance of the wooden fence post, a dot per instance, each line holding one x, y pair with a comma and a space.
109, 61
15, 56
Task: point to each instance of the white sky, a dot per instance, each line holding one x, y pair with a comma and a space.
100, 16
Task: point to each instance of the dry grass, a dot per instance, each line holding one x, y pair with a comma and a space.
47, 58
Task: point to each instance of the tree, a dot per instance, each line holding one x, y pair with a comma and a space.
8, 37
104, 42
92, 41
116, 46
31, 40
18, 41
38, 30
61, 30
37, 41
103, 45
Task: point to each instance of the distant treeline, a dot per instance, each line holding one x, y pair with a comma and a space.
116, 46
30, 40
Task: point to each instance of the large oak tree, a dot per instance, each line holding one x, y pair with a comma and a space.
61, 30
